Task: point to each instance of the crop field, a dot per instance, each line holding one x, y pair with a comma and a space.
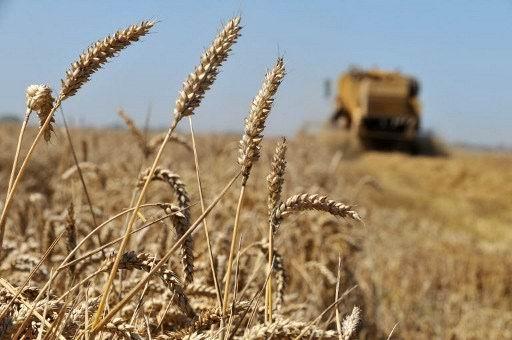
136, 234
432, 253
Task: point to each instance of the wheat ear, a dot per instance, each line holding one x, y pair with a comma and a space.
189, 98
79, 73
287, 329
38, 98
181, 224
199, 81
303, 202
98, 54
144, 261
249, 150
275, 182
275, 179
351, 323
135, 131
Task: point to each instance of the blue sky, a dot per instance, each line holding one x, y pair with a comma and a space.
460, 50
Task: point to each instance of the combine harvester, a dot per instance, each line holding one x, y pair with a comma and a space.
379, 108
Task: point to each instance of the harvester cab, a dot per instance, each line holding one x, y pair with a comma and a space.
378, 106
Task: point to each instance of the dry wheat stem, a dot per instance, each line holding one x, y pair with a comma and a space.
232, 249
277, 266
18, 149
338, 315
21, 171
64, 262
164, 259
189, 98
249, 150
81, 175
124, 242
176, 138
205, 224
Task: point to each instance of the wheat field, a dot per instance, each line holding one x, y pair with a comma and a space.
172, 234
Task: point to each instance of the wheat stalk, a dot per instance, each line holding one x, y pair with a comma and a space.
165, 258
205, 222
280, 273
189, 98
249, 149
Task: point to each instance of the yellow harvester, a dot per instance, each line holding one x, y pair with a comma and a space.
378, 106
